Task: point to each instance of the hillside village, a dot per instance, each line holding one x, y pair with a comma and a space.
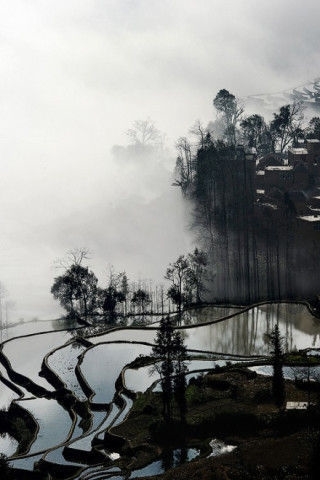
292, 180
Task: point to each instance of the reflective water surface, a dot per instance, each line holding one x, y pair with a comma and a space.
169, 459
244, 334
102, 365
26, 354
63, 362
8, 445
6, 397
54, 423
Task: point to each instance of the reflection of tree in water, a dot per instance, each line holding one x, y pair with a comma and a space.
188, 318
172, 458
75, 345
180, 456
61, 323
85, 332
167, 459
246, 333
139, 321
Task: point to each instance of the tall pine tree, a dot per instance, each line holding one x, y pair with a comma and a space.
170, 352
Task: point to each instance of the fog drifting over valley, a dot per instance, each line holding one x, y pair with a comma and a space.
74, 77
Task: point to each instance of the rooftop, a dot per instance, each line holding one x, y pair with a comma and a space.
310, 218
285, 168
296, 405
298, 151
269, 205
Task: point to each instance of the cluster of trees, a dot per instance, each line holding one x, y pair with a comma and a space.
79, 294
169, 354
233, 127
187, 277
285, 128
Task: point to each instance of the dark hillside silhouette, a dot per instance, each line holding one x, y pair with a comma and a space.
256, 214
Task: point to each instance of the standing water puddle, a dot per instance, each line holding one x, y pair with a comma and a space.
169, 459
8, 445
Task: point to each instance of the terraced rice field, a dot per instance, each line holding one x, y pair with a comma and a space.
75, 383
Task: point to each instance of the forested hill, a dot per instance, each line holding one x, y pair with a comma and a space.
254, 187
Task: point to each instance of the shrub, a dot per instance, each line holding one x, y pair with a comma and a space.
236, 422
217, 384
263, 396
5, 470
195, 395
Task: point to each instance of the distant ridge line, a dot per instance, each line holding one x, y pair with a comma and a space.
288, 91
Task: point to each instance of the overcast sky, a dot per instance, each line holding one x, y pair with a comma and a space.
74, 76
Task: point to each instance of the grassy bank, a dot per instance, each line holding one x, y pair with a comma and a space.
235, 406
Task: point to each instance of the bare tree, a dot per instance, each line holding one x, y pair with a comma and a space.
75, 256
200, 132
144, 132
184, 165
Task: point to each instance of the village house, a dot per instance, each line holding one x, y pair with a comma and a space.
293, 182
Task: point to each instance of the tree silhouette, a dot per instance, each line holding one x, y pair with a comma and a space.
5, 471
227, 104
76, 291
286, 125
169, 353
177, 273
278, 384
141, 298
180, 369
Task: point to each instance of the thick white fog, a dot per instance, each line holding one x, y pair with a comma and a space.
133, 219
74, 76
